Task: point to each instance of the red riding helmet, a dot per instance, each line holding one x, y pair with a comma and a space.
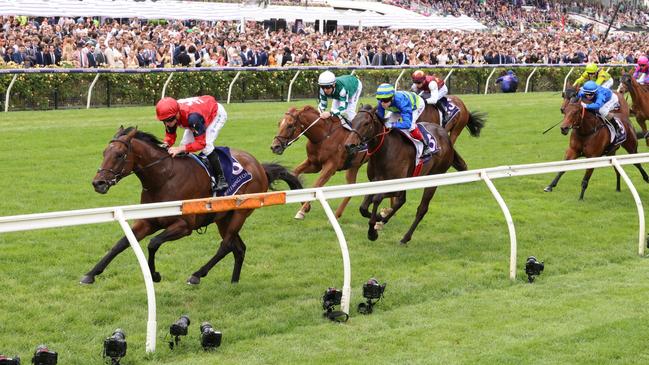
166, 108
418, 76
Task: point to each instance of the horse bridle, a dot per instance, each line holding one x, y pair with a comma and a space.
120, 175
367, 139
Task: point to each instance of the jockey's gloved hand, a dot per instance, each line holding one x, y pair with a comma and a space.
164, 145
583, 104
388, 124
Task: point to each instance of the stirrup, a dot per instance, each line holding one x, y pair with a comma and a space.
221, 184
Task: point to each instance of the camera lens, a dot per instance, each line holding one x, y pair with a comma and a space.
210, 338
179, 328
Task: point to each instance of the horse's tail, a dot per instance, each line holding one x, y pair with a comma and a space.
458, 162
476, 123
276, 172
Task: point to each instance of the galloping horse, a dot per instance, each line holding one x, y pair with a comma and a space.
640, 97
474, 122
393, 157
180, 178
591, 138
325, 148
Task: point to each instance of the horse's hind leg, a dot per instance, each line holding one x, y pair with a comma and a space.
306, 167
422, 209
175, 231
554, 182
140, 229
584, 183
617, 179
645, 177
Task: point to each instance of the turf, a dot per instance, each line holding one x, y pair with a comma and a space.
448, 298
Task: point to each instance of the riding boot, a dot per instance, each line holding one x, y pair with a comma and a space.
416, 133
221, 184
611, 119
440, 106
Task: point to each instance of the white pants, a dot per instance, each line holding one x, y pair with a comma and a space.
435, 92
394, 116
211, 133
609, 105
608, 83
642, 79
350, 112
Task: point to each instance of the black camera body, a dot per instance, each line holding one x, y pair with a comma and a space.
533, 268
210, 338
179, 328
373, 290
331, 297
5, 360
115, 345
43, 356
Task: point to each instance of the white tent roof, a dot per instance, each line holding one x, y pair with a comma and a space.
369, 14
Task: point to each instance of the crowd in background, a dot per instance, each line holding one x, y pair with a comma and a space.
94, 42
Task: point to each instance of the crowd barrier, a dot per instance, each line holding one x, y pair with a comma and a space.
449, 69
249, 201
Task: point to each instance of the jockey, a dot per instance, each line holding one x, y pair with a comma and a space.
344, 90
601, 100
642, 71
202, 117
594, 73
405, 108
432, 89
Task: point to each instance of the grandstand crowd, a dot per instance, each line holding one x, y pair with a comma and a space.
515, 35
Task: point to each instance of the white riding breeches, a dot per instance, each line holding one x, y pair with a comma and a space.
608, 84
211, 133
350, 112
609, 105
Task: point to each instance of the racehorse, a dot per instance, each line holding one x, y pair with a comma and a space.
640, 97
392, 156
167, 179
325, 152
474, 122
591, 138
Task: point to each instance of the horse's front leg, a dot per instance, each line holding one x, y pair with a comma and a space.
422, 209
372, 234
584, 182
397, 202
140, 229
365, 205
306, 167
570, 155
350, 177
176, 230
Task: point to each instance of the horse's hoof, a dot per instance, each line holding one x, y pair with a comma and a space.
548, 189
87, 280
372, 235
156, 277
385, 211
299, 215
193, 280
379, 226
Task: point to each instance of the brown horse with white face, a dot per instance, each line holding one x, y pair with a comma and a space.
180, 178
393, 157
325, 149
640, 97
473, 121
591, 138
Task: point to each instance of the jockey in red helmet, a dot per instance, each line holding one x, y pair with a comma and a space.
202, 117
432, 89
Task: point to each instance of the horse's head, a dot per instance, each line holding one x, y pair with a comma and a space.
288, 129
365, 126
573, 115
116, 163
570, 93
625, 82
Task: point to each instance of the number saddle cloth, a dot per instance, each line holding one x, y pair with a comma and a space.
235, 174
419, 147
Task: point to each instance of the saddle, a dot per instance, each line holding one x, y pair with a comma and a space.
235, 175
419, 147
451, 109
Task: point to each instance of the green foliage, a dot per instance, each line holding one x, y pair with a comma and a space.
448, 299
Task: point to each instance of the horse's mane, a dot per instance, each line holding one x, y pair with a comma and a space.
142, 136
308, 108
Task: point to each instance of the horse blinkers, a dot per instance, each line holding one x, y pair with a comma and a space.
102, 185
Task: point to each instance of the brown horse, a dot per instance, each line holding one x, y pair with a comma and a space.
180, 178
474, 122
591, 138
325, 149
393, 157
640, 97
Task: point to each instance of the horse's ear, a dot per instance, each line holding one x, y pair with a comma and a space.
119, 132
132, 133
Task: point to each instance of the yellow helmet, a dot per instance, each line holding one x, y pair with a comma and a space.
591, 68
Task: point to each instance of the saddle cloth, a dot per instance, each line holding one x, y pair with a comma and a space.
419, 147
235, 174
616, 139
452, 111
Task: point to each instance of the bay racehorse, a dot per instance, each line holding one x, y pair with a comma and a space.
473, 121
180, 178
640, 98
590, 137
392, 156
325, 149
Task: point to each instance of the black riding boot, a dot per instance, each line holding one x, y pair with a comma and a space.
613, 123
442, 109
221, 184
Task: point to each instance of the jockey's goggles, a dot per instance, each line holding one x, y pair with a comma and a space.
323, 87
384, 100
589, 93
170, 119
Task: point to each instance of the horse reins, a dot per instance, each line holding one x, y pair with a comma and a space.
285, 145
381, 134
120, 175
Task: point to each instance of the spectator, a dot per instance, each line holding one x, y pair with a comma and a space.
508, 82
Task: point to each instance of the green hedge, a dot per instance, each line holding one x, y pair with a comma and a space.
53, 91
